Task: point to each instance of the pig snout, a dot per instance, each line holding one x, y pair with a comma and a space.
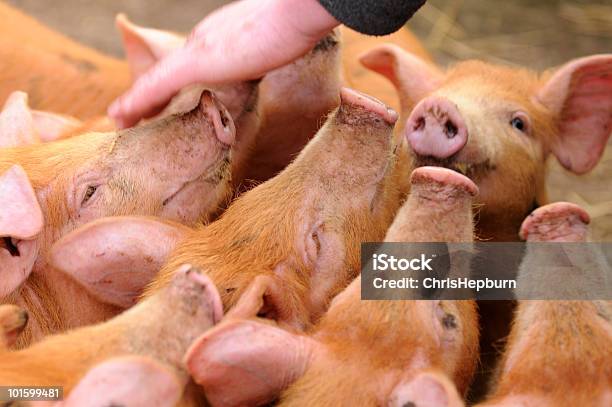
369, 103
439, 208
559, 221
191, 285
222, 122
442, 183
435, 128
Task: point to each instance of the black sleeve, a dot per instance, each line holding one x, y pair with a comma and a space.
373, 17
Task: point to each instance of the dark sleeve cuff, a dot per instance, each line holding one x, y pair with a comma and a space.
372, 17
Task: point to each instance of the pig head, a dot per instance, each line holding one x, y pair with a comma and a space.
176, 168
497, 125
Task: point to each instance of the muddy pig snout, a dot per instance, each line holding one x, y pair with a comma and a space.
435, 128
353, 97
221, 119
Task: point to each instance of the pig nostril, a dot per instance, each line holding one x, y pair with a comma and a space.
224, 119
420, 124
449, 321
450, 129
11, 245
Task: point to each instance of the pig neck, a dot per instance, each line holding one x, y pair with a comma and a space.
295, 100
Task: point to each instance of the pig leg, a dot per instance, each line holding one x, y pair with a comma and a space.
12, 321
129, 381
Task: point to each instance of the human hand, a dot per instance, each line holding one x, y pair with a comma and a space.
240, 41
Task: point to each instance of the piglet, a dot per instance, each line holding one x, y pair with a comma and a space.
176, 168
498, 125
159, 328
558, 352
366, 353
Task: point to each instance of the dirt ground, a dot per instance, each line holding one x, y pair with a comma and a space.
535, 34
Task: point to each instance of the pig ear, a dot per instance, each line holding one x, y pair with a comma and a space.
245, 362
51, 126
115, 258
16, 124
13, 320
20, 213
265, 297
121, 382
20, 125
145, 46
426, 389
579, 94
412, 77
21, 220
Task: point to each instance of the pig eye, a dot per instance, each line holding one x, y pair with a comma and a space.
315, 239
520, 122
91, 190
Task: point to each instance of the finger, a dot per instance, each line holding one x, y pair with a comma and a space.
152, 91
